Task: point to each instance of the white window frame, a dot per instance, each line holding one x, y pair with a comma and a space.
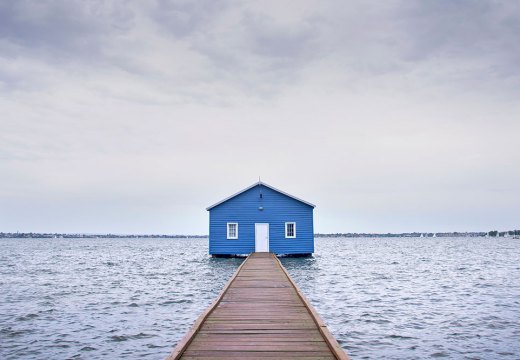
236, 230
294, 230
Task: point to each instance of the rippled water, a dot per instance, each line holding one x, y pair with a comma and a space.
103, 298
382, 298
416, 298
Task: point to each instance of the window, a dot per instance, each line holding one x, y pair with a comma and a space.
290, 229
232, 230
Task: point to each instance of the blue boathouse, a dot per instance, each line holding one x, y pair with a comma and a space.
261, 218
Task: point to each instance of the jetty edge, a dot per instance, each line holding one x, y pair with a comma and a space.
260, 313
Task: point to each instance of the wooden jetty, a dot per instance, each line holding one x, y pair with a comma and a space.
259, 314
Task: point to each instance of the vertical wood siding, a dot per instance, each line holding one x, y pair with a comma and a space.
278, 209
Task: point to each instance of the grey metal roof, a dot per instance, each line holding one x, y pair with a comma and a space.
257, 184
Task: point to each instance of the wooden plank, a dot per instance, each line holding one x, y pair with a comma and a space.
245, 331
307, 336
272, 354
288, 326
256, 355
278, 346
259, 314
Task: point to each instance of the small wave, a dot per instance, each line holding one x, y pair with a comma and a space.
485, 285
141, 336
88, 348
27, 317
372, 300
439, 354
180, 301
118, 338
48, 311
400, 337
377, 321
11, 333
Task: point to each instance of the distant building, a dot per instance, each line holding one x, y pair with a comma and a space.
261, 218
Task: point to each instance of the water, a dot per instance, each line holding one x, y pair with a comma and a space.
382, 298
103, 298
417, 298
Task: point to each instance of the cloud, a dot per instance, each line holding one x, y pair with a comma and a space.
186, 18
60, 28
224, 47
400, 103
462, 28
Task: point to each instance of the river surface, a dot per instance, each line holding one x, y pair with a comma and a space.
392, 298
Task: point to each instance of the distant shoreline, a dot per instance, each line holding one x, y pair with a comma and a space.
31, 235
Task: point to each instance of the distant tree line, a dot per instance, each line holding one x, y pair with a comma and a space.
92, 236
493, 233
496, 233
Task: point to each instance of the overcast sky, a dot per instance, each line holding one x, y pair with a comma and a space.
134, 116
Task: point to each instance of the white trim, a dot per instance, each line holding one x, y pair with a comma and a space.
236, 230
258, 184
294, 230
256, 232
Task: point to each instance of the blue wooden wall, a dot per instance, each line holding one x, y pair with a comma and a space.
278, 209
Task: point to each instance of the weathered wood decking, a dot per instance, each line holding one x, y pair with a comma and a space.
259, 314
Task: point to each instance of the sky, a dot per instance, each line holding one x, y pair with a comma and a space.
134, 116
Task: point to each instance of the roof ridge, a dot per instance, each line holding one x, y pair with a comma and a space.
259, 182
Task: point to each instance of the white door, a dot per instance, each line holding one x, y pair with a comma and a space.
262, 237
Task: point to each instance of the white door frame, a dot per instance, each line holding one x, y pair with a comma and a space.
256, 236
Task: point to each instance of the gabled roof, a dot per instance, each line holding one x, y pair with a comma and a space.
258, 184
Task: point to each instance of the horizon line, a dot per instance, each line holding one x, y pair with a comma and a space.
207, 235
